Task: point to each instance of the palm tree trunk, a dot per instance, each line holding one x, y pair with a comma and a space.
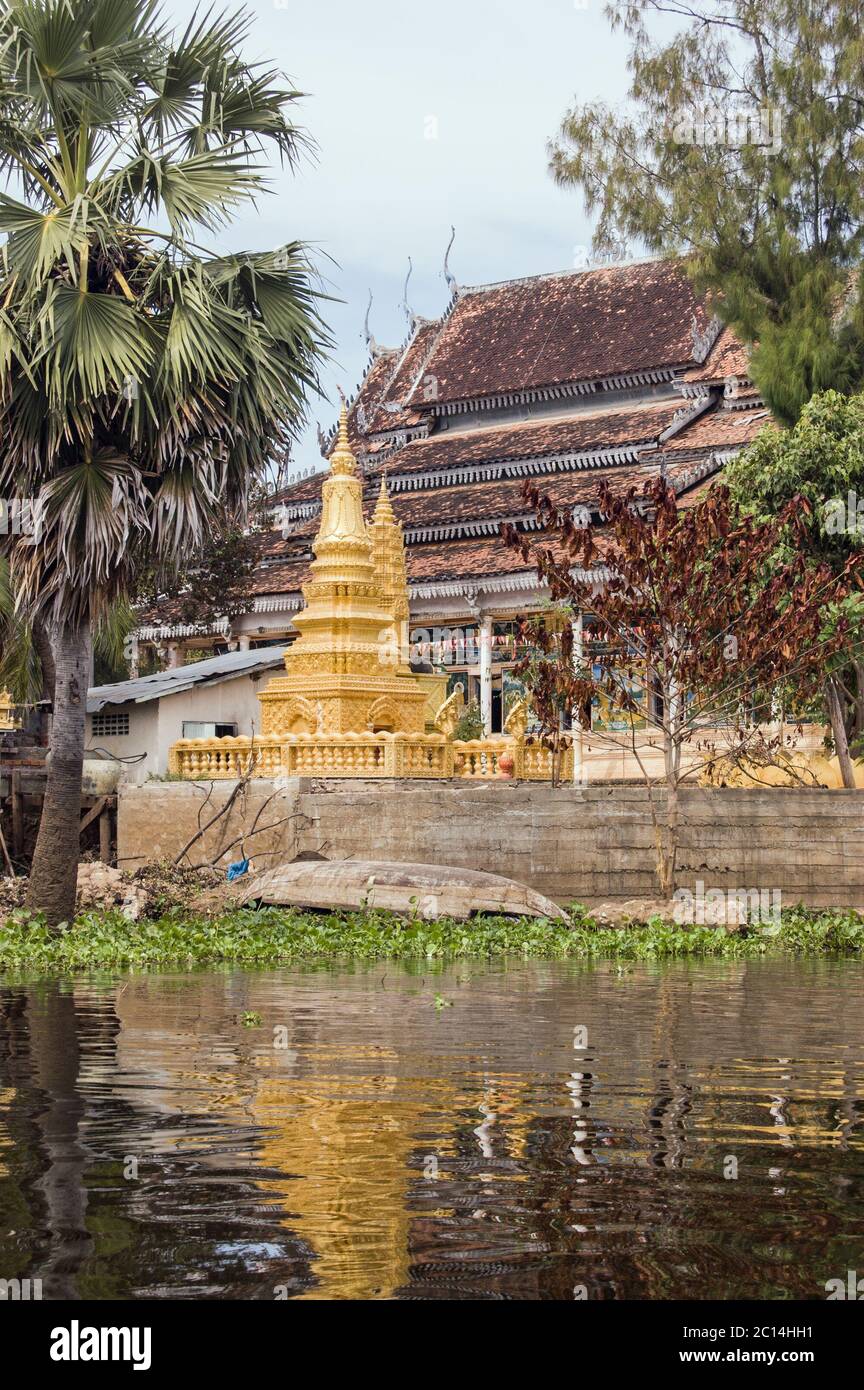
54, 874
42, 643
838, 729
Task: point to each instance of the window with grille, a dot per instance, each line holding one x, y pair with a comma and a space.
110, 725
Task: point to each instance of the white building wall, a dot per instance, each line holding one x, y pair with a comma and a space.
141, 738
156, 724
229, 702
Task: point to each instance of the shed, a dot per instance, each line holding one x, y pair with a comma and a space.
138, 720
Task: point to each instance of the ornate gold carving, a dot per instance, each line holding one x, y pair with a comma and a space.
516, 722
348, 704
450, 713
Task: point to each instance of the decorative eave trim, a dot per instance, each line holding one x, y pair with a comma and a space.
156, 632
300, 511
650, 377
467, 530
743, 403
700, 471
693, 389
290, 602
491, 472
516, 468
720, 387
704, 340
520, 582
464, 588
393, 439
685, 416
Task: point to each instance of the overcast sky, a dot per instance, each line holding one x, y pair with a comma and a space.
425, 115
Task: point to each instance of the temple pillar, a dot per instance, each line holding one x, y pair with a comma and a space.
486, 673
243, 641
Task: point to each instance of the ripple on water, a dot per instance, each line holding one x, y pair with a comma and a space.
542, 1130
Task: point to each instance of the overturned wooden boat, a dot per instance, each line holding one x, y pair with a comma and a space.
424, 890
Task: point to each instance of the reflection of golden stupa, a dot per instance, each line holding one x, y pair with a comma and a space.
347, 672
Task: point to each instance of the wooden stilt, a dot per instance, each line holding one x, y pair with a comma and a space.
5, 852
105, 836
17, 814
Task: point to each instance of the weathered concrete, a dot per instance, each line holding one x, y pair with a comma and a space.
568, 843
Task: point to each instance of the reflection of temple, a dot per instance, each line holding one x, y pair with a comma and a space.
378, 1154
8, 718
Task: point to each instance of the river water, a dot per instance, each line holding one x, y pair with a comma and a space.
478, 1131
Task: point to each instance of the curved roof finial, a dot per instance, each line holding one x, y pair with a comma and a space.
370, 340
406, 309
448, 274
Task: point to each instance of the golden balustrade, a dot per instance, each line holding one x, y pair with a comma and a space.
216, 759
365, 755
534, 763
479, 758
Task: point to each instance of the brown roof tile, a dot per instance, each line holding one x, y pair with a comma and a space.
572, 434
728, 357
720, 429
440, 561
556, 329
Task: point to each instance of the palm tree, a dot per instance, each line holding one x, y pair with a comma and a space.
145, 381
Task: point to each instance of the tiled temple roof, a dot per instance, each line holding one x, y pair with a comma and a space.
555, 330
388, 411
594, 431
621, 373
720, 429
728, 357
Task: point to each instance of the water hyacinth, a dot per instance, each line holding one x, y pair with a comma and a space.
273, 936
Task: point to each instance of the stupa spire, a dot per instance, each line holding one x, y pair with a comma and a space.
342, 460
342, 547
346, 672
388, 554
384, 507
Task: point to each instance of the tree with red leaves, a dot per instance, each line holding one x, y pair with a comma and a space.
700, 623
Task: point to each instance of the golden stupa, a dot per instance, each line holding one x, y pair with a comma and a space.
349, 704
348, 672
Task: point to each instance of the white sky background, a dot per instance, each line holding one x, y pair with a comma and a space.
497, 77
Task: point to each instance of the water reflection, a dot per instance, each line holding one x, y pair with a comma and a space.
521, 1131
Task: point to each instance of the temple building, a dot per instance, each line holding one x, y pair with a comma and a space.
617, 374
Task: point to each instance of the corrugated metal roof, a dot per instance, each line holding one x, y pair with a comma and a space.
179, 678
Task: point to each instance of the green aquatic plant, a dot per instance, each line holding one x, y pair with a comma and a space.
271, 936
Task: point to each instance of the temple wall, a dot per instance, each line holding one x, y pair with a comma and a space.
587, 844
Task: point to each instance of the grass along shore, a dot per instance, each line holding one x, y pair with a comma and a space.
277, 936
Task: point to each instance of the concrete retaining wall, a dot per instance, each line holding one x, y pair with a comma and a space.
569, 843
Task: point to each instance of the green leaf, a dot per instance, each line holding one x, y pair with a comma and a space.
96, 341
